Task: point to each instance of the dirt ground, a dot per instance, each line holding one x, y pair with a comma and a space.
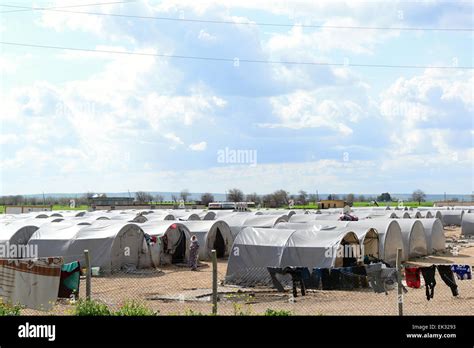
176, 290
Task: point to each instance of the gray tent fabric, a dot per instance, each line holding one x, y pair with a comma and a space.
239, 220
434, 232
467, 224
368, 237
452, 217
185, 215
312, 217
16, 233
255, 249
55, 239
113, 245
390, 236
288, 213
375, 215
211, 235
414, 239
19, 231
207, 215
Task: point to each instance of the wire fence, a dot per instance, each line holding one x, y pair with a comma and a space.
177, 290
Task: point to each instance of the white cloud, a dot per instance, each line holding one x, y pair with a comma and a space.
198, 146
206, 37
430, 113
308, 109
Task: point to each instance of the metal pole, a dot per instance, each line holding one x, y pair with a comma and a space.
214, 282
88, 274
399, 281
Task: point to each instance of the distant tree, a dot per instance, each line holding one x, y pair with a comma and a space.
384, 197
312, 197
361, 198
174, 198
280, 198
302, 197
207, 198
235, 195
418, 196
350, 198
143, 197
184, 194
333, 196
253, 197
159, 198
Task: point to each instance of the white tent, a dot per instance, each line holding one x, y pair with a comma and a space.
185, 215
113, 245
414, 238
207, 215
54, 239
173, 239
288, 213
368, 237
240, 220
19, 231
255, 249
312, 217
434, 232
390, 236
211, 235
467, 224
452, 217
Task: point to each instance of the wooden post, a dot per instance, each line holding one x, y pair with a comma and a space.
88, 274
214, 282
399, 281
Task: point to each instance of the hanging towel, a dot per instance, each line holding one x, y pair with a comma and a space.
462, 272
412, 277
448, 277
430, 281
70, 280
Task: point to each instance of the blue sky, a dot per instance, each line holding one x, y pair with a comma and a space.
73, 121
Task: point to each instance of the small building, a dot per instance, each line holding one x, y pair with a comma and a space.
21, 209
331, 203
111, 203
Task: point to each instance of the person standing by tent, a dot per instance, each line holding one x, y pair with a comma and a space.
193, 253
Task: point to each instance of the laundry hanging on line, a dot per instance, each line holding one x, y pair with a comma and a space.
463, 272
412, 277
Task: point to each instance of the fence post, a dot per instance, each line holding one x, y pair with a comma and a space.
214, 281
88, 274
399, 281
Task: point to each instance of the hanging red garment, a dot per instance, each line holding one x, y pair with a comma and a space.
412, 277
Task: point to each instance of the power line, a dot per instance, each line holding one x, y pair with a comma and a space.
233, 60
28, 9
316, 26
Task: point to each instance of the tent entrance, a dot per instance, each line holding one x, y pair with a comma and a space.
179, 255
128, 250
219, 244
